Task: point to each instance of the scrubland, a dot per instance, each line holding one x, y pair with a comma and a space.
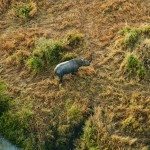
106, 106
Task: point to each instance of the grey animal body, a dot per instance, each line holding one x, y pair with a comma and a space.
70, 66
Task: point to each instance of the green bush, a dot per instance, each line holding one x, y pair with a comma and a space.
132, 61
51, 51
35, 63
25, 10
134, 67
15, 125
74, 40
131, 37
4, 99
54, 54
68, 126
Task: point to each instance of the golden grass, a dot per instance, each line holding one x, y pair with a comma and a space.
22, 39
118, 107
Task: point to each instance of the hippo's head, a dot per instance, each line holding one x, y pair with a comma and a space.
85, 63
81, 62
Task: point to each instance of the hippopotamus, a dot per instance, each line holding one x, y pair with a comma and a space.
68, 67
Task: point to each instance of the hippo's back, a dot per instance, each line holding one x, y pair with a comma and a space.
64, 68
60, 66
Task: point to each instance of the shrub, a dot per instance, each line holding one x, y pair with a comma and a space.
132, 64
137, 64
15, 125
54, 54
35, 63
132, 61
74, 40
25, 10
51, 51
46, 53
141, 72
131, 37
143, 51
103, 129
69, 125
134, 67
4, 100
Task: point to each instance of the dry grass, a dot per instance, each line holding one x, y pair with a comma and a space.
115, 108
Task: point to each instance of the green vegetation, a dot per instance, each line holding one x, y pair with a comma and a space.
45, 52
132, 62
4, 100
99, 134
74, 40
48, 53
136, 119
25, 10
137, 61
21, 123
15, 124
35, 63
134, 67
131, 36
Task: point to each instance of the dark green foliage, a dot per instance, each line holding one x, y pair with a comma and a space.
134, 67
15, 124
16, 128
24, 11
4, 99
21, 126
54, 53
68, 126
35, 63
50, 51
132, 61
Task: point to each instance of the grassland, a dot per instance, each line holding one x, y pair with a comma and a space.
104, 106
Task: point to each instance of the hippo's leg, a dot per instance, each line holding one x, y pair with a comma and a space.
61, 79
73, 73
